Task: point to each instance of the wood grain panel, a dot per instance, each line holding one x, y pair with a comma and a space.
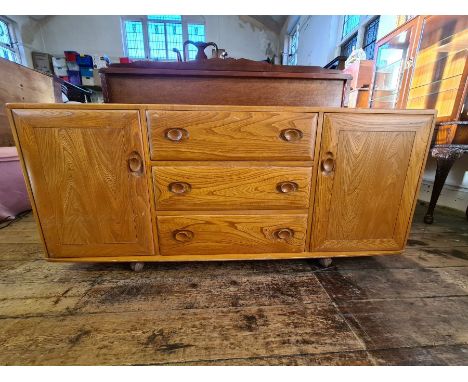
225, 234
229, 185
21, 84
365, 202
231, 135
88, 201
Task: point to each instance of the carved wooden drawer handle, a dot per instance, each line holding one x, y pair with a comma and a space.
183, 235
176, 134
328, 164
284, 233
291, 135
286, 187
135, 164
179, 187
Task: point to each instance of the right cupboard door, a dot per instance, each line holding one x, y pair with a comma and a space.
367, 181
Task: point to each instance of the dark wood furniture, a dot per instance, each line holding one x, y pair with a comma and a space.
424, 64
224, 82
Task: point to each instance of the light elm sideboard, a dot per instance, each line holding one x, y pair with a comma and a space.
138, 183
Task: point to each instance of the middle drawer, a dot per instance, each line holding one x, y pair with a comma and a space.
228, 186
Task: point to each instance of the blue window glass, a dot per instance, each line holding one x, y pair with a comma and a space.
370, 36
350, 22
6, 44
157, 41
348, 47
135, 39
196, 32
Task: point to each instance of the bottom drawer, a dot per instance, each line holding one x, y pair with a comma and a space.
227, 234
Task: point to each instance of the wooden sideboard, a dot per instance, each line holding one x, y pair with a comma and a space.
224, 82
136, 183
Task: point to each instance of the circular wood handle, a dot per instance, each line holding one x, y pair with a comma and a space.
135, 163
284, 233
176, 134
183, 235
179, 187
328, 165
286, 187
291, 135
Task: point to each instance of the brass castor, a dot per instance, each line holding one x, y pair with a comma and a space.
137, 267
325, 262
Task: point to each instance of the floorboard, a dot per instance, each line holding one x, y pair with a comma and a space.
409, 309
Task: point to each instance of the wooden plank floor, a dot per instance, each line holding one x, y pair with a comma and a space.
389, 310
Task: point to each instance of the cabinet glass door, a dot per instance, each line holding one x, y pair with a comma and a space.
391, 63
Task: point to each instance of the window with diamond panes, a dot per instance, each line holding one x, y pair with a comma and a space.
7, 50
348, 46
370, 36
196, 32
350, 22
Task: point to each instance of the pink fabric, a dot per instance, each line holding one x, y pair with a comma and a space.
13, 195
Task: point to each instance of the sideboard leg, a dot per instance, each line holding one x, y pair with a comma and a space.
137, 267
446, 157
325, 262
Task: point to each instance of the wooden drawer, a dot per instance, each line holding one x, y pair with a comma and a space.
231, 135
226, 186
225, 234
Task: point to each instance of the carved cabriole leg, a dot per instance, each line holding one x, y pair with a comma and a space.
446, 157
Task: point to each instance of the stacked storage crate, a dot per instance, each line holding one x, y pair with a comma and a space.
60, 68
79, 69
85, 63
73, 69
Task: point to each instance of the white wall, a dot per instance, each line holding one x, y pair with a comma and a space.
27, 33
318, 38
241, 36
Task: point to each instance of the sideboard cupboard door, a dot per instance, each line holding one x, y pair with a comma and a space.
86, 172
368, 177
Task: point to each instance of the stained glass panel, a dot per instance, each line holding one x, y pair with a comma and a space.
135, 39
196, 32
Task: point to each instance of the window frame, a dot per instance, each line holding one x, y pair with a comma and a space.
351, 31
292, 56
353, 36
185, 21
13, 38
366, 30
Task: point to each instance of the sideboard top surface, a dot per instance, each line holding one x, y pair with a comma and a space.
117, 106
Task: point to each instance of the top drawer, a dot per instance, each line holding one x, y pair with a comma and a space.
231, 135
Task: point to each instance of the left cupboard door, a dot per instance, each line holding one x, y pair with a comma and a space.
87, 174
